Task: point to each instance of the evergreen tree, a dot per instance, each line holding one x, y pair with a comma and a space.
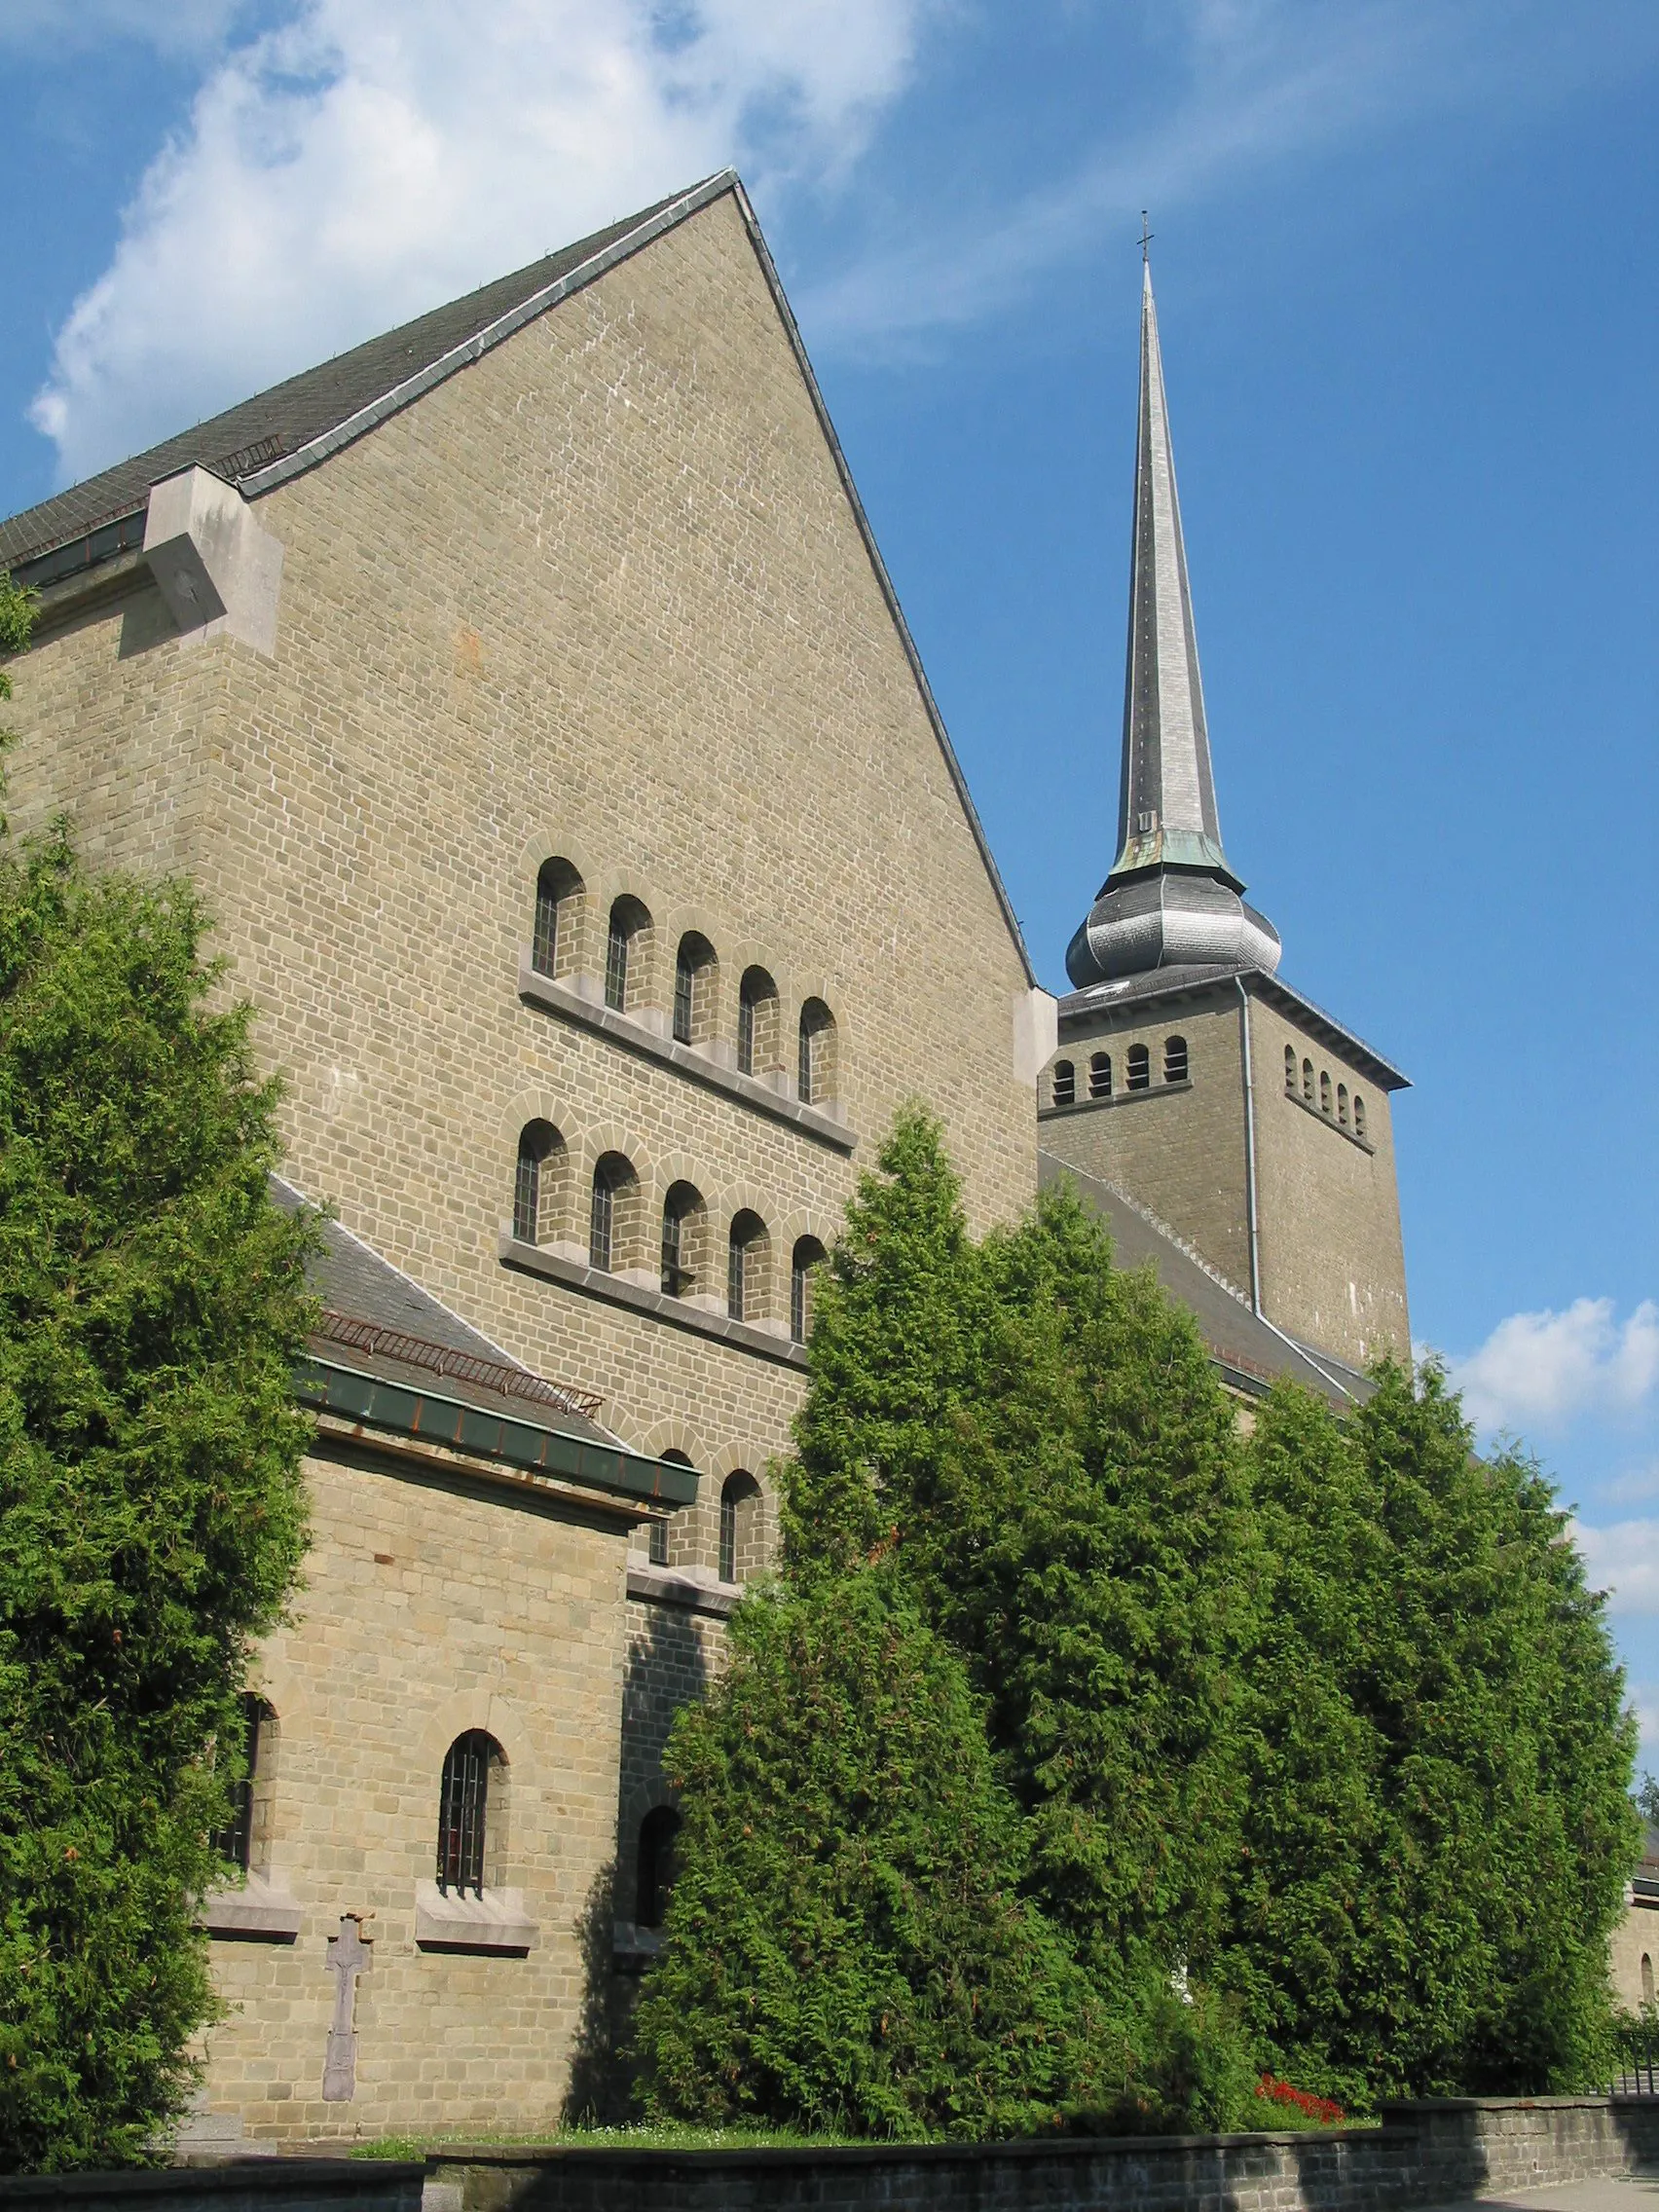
151, 1507
847, 1948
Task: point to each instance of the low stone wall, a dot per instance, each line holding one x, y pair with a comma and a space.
1429, 2154
245, 2185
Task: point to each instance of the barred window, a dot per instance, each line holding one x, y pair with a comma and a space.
682, 1219
740, 1526
694, 976
1100, 1074
538, 1146
816, 1073
1140, 1068
757, 1022
745, 1261
558, 893
804, 1261
1175, 1059
1064, 1084
462, 1809
654, 1880
612, 1179
628, 922
236, 1841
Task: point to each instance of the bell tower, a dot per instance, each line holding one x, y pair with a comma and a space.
1189, 1076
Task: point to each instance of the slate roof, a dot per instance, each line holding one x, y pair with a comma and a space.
248, 438
1250, 1353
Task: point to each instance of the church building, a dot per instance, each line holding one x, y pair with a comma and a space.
526, 693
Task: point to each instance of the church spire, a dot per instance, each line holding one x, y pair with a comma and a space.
1171, 900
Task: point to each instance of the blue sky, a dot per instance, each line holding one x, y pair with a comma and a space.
1405, 263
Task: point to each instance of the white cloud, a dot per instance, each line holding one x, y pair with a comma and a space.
363, 162
1540, 1368
1623, 1558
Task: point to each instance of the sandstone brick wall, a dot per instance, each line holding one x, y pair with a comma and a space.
1635, 1938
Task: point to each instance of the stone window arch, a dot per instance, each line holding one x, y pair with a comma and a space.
245, 1839
471, 1802
1140, 1068
626, 943
1325, 1090
807, 1257
1307, 1080
1290, 1069
741, 1519
696, 982
1100, 1074
816, 1078
653, 1866
1063, 1083
659, 1535
684, 1221
556, 943
538, 1182
1175, 1064
1358, 1115
611, 1209
759, 1046
748, 1252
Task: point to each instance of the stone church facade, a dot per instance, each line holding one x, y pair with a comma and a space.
526, 694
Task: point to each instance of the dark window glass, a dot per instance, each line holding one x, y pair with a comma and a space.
616, 963
602, 1219
685, 983
659, 1543
237, 1840
544, 949
737, 1270
677, 1277
655, 1878
746, 1033
1065, 1083
1175, 1059
1100, 1076
728, 1536
462, 1805
806, 1071
1140, 1067
536, 1143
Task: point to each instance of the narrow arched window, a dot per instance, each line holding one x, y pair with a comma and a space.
1100, 1074
558, 897
1307, 1080
653, 1878
1325, 1092
694, 979
681, 1220
612, 1182
538, 1151
629, 921
463, 1800
740, 1526
815, 1079
659, 1529
1358, 1115
1174, 1060
745, 1256
1140, 1068
757, 1024
804, 1261
236, 1840
1290, 1067
1064, 1084
1342, 1104
1646, 1978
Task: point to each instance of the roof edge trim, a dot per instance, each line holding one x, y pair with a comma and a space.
884, 581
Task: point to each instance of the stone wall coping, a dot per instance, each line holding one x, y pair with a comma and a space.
497, 1921
678, 1312
259, 1909
1117, 1099
398, 2180
1328, 1121
674, 1586
795, 2155
556, 997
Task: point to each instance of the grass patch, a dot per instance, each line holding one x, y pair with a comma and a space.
665, 2135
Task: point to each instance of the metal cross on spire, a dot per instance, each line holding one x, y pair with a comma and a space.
1146, 239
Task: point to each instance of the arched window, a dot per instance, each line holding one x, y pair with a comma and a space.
653, 1878
463, 1803
614, 1187
1140, 1068
1100, 1074
816, 1073
659, 1529
757, 1024
746, 1268
540, 1157
1325, 1092
1358, 1115
557, 914
1342, 1104
1646, 1978
1174, 1060
1290, 1068
1064, 1084
695, 979
739, 1528
806, 1258
682, 1218
236, 1841
628, 922
1307, 1080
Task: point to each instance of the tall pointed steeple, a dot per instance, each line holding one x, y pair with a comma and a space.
1171, 900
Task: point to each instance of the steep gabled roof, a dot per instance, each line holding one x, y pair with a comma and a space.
295, 426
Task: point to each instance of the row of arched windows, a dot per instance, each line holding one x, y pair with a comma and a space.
684, 1255
1348, 1113
1137, 1071
758, 1036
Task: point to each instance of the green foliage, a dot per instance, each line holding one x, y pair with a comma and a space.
1646, 1796
1437, 1829
151, 1507
16, 623
846, 1948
